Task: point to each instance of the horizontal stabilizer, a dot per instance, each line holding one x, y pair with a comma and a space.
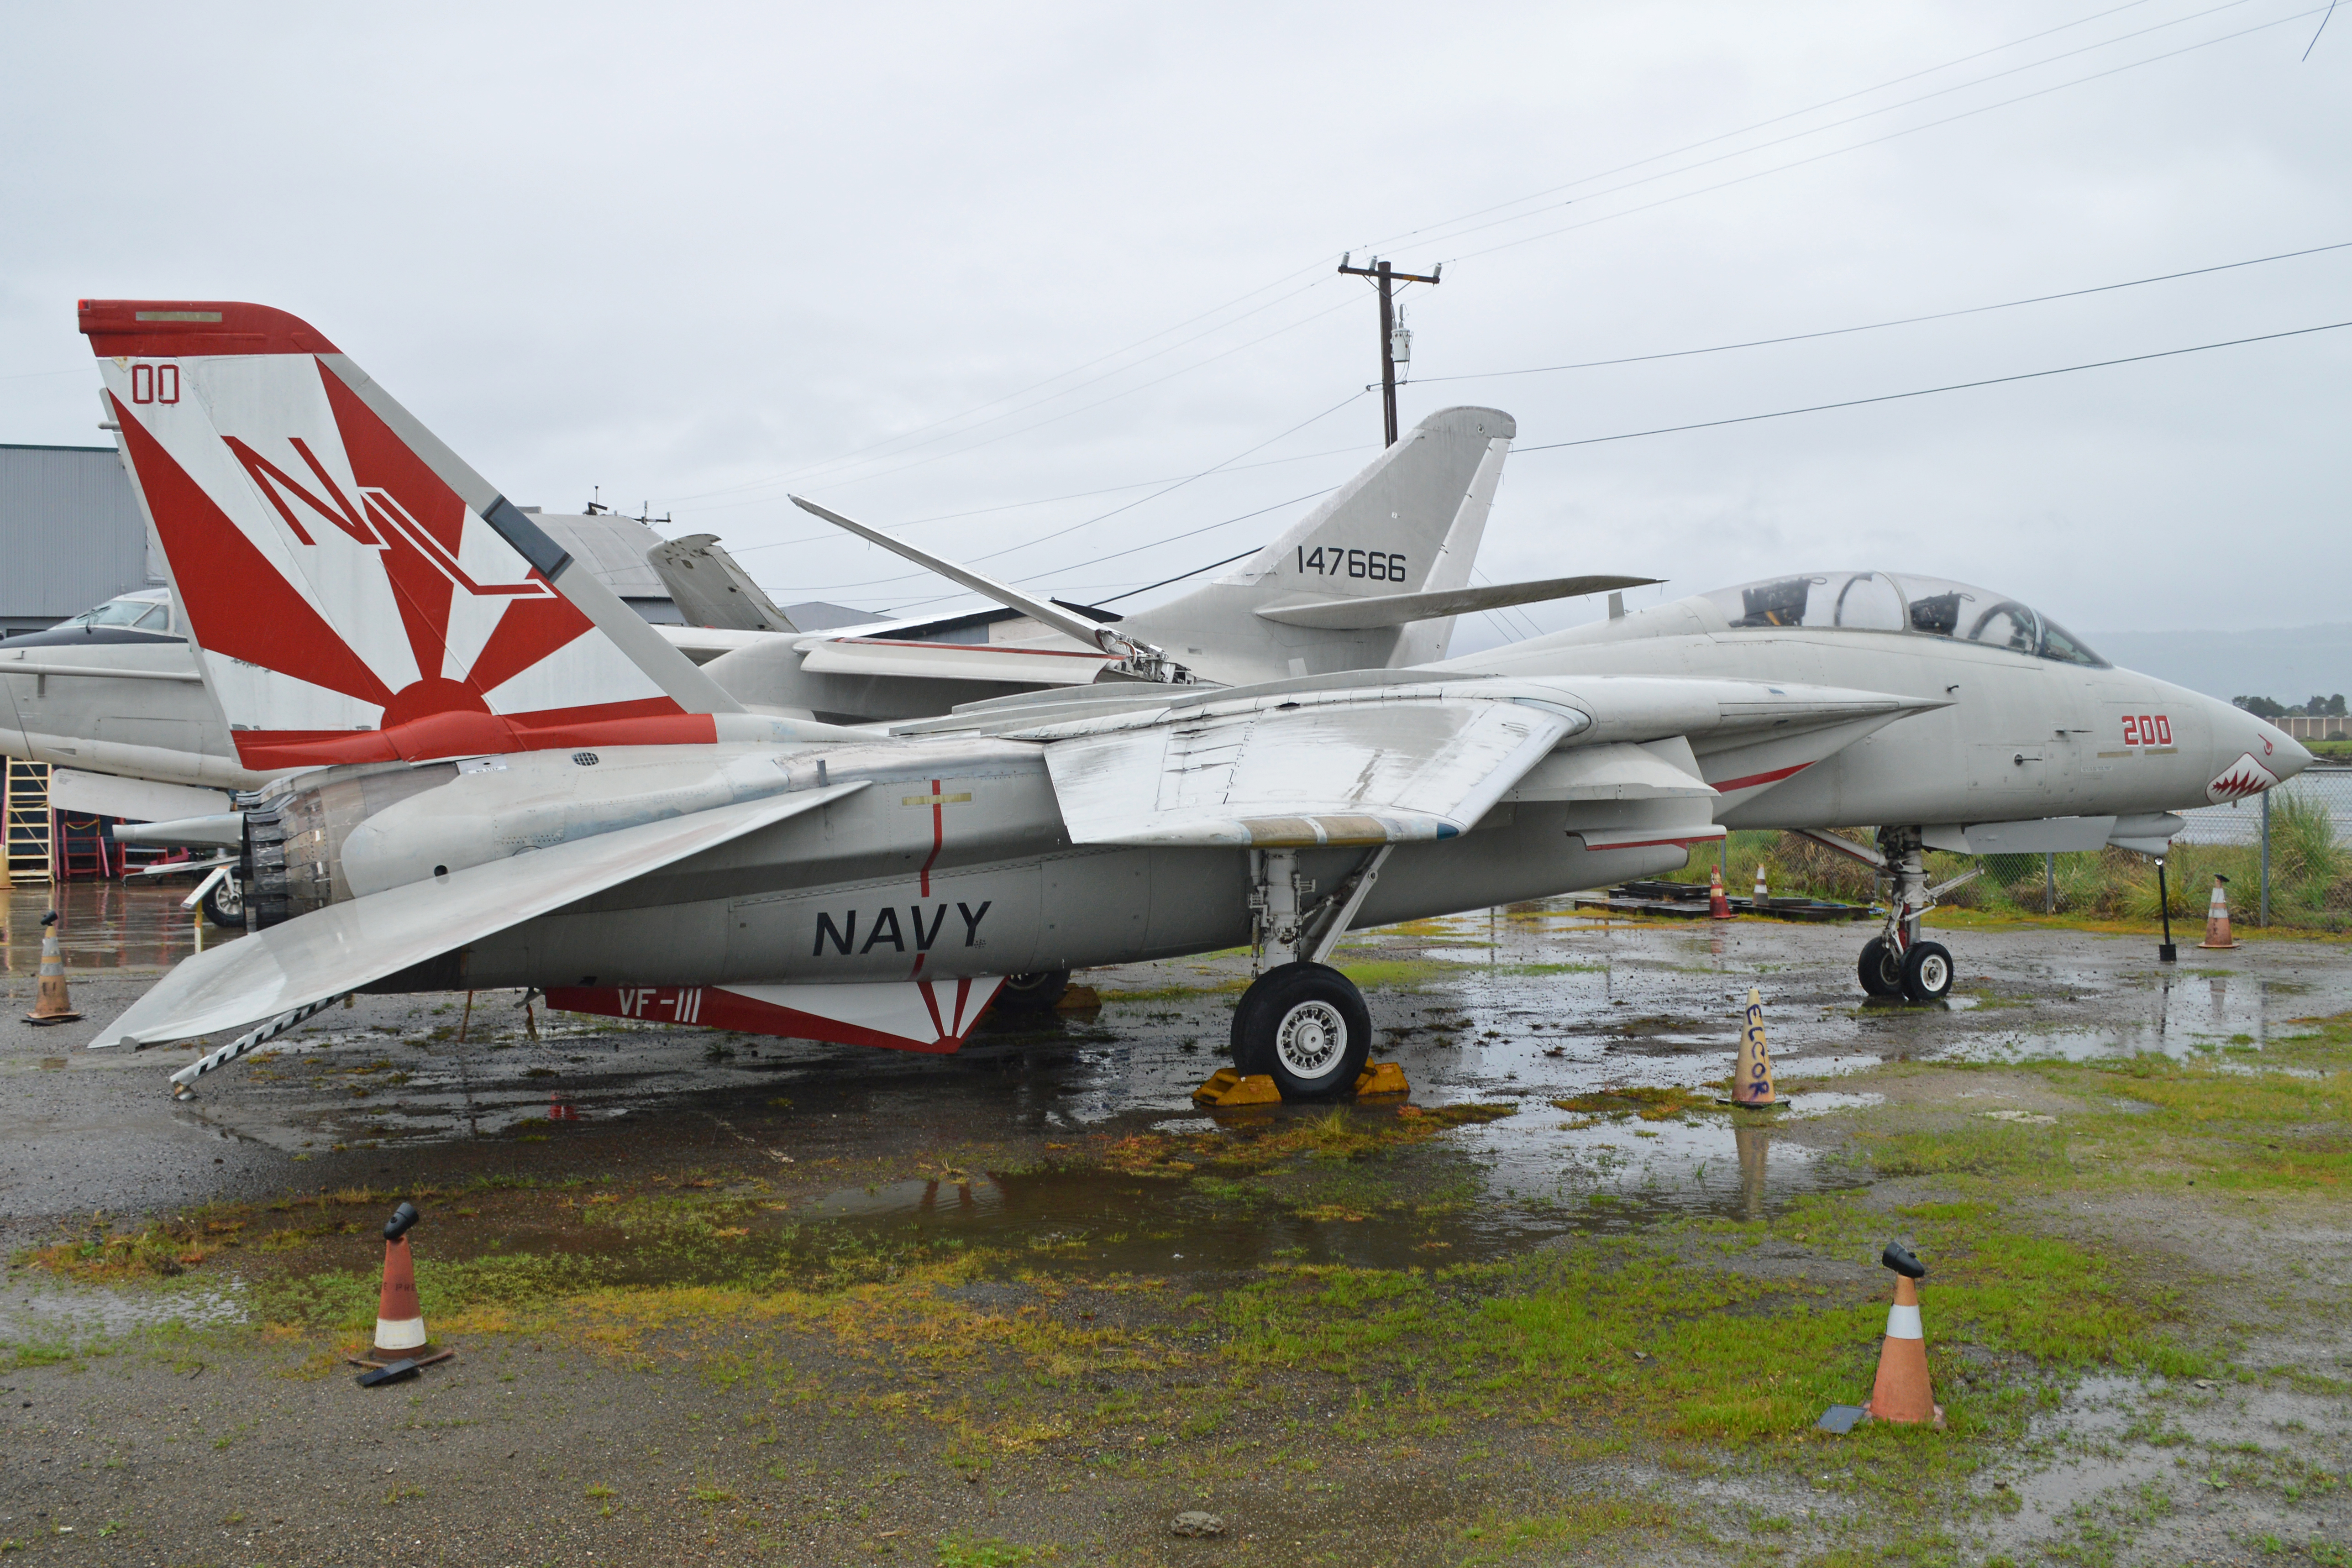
1286, 771
223, 831
1402, 608
344, 947
134, 800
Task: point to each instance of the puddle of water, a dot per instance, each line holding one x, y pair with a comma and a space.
102, 924
33, 1317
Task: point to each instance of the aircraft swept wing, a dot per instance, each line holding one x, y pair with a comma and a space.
343, 947
1364, 614
1324, 768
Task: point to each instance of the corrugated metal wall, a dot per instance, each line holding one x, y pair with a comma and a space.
71, 533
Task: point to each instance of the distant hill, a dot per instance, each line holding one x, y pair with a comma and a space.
2287, 663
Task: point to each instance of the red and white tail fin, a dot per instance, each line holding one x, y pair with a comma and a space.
356, 591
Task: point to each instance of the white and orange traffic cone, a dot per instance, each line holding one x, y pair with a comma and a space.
1718, 908
51, 1004
1762, 892
2217, 916
1903, 1392
399, 1319
1751, 1081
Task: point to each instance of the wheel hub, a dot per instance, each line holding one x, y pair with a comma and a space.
1310, 1038
1934, 973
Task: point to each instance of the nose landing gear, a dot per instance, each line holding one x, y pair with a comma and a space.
1896, 962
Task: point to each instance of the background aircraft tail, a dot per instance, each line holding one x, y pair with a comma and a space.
355, 591
1410, 523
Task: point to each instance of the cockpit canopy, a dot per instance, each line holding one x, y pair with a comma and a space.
1881, 601
148, 610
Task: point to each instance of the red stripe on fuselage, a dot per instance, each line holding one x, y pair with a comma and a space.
1756, 780
653, 721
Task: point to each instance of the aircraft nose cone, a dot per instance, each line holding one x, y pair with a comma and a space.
2250, 755
2293, 755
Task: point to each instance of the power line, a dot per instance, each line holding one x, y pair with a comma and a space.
1072, 413
1874, 141
1875, 326
950, 418
1444, 224
1179, 485
1180, 576
1427, 229
1051, 500
1930, 392
1857, 119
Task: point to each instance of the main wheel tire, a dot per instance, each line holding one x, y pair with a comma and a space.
1880, 968
1927, 972
1306, 1027
1033, 993
224, 904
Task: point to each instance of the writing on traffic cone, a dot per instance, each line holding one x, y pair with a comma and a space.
1717, 906
2217, 916
399, 1320
1762, 893
51, 1002
1751, 1082
1902, 1393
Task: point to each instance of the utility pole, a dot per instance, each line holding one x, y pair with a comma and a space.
1385, 276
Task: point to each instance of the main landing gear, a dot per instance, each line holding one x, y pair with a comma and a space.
1036, 992
1303, 1023
1898, 963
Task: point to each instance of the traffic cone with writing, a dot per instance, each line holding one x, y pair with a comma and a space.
1902, 1393
2217, 916
1751, 1081
399, 1320
1762, 892
51, 1002
1718, 908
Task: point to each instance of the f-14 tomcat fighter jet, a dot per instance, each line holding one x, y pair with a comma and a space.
515, 784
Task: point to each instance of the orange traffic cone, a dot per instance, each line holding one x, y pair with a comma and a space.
1902, 1393
2216, 916
1751, 1081
1762, 893
51, 1002
1717, 906
399, 1320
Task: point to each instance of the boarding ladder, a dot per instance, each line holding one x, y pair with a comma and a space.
25, 808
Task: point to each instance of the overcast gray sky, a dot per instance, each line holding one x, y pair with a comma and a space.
988, 273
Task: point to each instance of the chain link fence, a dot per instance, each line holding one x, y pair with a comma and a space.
2288, 859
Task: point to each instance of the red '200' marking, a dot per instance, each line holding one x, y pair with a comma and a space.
2148, 729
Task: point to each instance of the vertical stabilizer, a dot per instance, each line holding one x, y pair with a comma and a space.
1410, 522
711, 589
356, 593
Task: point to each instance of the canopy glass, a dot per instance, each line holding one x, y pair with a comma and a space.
1882, 601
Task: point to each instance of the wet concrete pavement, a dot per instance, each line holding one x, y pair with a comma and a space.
1528, 1006
1514, 1009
